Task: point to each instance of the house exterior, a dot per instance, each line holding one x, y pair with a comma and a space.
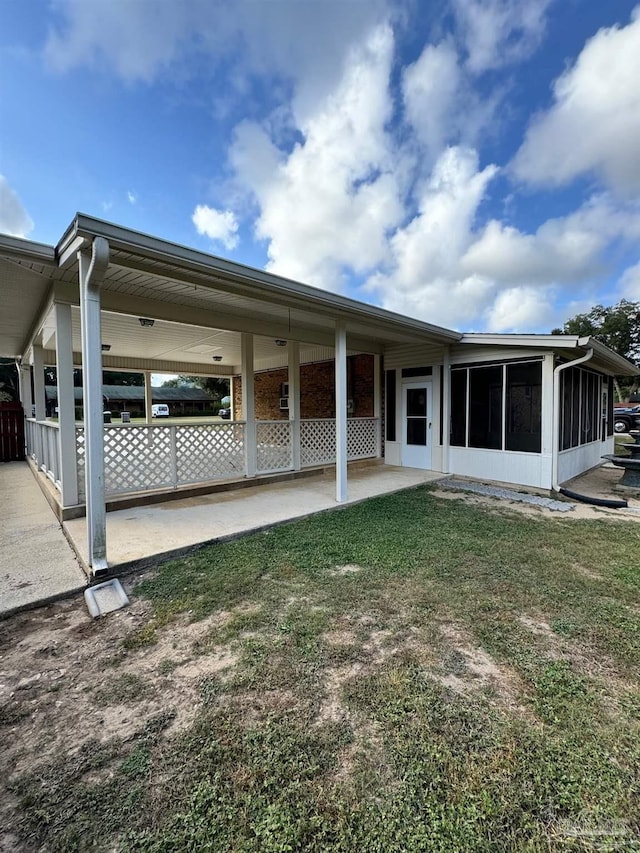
316, 378
182, 400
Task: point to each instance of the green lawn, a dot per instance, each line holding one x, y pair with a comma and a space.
408, 674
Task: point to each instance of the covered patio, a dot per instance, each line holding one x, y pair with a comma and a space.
109, 298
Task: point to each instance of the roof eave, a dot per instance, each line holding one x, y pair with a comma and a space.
84, 226
29, 250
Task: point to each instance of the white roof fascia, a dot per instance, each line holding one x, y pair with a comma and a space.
498, 340
27, 250
616, 363
606, 357
264, 283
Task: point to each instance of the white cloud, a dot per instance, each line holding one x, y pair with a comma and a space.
594, 122
331, 201
565, 249
132, 197
143, 39
135, 37
220, 225
423, 279
14, 219
430, 89
629, 285
445, 270
496, 33
522, 308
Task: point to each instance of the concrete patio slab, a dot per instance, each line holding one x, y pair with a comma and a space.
141, 535
36, 563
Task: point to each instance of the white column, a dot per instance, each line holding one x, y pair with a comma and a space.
148, 397
248, 405
341, 411
66, 405
294, 400
26, 397
38, 383
92, 268
232, 397
445, 395
377, 404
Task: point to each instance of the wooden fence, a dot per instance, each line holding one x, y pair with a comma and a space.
11, 432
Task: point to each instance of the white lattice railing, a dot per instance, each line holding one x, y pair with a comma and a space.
363, 438
146, 457
318, 440
43, 445
274, 450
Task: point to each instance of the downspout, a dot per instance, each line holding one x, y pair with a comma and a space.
556, 414
91, 273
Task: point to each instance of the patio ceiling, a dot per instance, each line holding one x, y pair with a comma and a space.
168, 342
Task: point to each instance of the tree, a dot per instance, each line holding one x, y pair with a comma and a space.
109, 377
618, 327
8, 380
215, 387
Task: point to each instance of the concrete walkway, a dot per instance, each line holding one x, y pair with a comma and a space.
36, 561
140, 535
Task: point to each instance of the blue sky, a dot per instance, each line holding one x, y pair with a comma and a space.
473, 163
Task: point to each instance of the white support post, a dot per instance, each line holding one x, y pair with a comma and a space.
26, 397
38, 383
232, 397
249, 405
294, 401
377, 404
66, 405
341, 411
445, 396
148, 398
91, 269
39, 401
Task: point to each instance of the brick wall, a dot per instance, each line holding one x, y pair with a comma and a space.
317, 398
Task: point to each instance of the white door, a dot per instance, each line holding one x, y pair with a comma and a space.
416, 425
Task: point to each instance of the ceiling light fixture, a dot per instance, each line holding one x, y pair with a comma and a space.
105, 347
145, 321
280, 342
217, 358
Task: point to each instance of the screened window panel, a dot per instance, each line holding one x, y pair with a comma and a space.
458, 436
390, 404
485, 407
524, 407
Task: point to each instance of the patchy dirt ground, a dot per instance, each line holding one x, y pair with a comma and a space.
308, 650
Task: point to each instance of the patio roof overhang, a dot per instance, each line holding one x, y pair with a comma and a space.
181, 287
567, 346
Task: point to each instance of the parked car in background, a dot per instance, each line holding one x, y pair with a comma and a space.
159, 410
626, 418
225, 414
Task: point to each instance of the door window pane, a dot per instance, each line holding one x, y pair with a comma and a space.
416, 402
417, 431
